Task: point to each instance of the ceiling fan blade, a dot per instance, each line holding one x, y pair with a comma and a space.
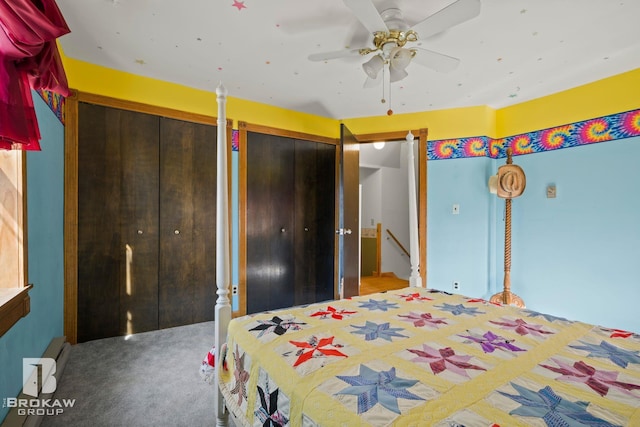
367, 14
436, 61
325, 56
454, 14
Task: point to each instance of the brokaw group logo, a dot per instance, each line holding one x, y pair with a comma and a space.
37, 374
38, 379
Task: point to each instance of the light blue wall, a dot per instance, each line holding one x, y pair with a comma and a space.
45, 180
460, 247
578, 254
574, 256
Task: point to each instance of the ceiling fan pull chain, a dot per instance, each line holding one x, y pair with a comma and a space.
383, 84
390, 110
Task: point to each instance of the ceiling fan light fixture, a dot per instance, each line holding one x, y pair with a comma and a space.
400, 58
397, 74
373, 66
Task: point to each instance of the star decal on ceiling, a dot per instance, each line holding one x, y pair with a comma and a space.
239, 4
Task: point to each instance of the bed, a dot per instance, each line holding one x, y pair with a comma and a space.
414, 357
424, 357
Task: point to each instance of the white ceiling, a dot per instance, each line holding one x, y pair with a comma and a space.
515, 50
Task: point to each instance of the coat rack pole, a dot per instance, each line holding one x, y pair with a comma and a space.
506, 294
514, 184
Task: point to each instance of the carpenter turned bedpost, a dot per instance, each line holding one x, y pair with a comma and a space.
223, 306
414, 279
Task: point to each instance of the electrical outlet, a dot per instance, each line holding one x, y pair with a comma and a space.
456, 285
234, 290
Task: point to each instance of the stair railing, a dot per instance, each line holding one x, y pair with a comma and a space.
398, 243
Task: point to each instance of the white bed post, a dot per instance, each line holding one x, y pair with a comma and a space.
223, 306
414, 279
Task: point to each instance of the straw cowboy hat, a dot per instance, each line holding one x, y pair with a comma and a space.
509, 183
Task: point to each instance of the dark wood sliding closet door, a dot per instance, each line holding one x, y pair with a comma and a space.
146, 222
325, 240
117, 222
138, 223
290, 230
315, 231
187, 223
270, 224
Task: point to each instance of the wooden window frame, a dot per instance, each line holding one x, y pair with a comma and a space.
14, 291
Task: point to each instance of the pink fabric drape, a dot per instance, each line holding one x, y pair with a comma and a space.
29, 58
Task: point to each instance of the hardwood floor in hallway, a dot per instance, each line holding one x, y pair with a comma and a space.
373, 284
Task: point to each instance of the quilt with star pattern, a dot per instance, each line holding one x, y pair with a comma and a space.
420, 357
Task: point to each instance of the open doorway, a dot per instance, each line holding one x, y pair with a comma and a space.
384, 210
349, 229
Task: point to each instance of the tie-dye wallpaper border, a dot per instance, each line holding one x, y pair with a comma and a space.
55, 102
607, 128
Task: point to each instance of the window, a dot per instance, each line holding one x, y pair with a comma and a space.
14, 297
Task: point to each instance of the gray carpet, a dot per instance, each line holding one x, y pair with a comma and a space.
150, 379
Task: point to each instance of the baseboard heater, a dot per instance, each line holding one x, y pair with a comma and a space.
58, 350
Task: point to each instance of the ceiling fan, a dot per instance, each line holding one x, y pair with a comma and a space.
392, 38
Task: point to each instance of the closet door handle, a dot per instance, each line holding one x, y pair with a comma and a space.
282, 230
176, 231
306, 229
140, 232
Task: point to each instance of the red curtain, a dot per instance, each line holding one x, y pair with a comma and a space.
29, 59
